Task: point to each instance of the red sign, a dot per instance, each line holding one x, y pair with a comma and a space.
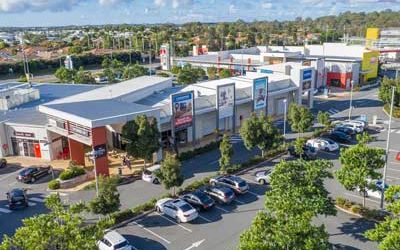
183, 120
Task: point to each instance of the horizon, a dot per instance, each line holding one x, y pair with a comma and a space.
60, 13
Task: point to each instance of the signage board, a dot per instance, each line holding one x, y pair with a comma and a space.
225, 100
260, 93
99, 151
182, 109
266, 71
24, 134
307, 74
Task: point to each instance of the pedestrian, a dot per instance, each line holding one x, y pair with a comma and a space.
128, 164
124, 160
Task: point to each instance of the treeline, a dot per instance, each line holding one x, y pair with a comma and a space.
78, 61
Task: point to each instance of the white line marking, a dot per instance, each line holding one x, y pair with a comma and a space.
392, 177
240, 202
252, 193
5, 210
36, 199
8, 175
222, 209
398, 132
360, 197
12, 183
393, 162
393, 169
168, 219
31, 204
151, 232
134, 248
204, 218
61, 194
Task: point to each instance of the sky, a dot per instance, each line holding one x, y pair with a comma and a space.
91, 12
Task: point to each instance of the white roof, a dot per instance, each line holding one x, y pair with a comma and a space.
114, 237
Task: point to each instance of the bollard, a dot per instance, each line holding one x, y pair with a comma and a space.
120, 171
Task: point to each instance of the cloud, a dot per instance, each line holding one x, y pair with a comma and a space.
232, 9
266, 5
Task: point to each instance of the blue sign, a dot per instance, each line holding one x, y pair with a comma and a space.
260, 93
266, 71
307, 74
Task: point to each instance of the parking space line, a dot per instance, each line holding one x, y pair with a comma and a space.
8, 175
31, 204
360, 197
204, 218
252, 193
134, 248
393, 169
239, 201
392, 177
168, 219
151, 232
248, 180
393, 162
222, 209
5, 210
36, 199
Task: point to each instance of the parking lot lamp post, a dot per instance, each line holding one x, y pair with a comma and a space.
351, 99
284, 118
93, 156
387, 150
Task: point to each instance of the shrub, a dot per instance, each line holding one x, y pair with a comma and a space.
348, 204
72, 172
192, 153
54, 184
340, 201
145, 206
196, 184
355, 208
123, 215
396, 110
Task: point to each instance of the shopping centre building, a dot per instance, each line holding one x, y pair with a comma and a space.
67, 121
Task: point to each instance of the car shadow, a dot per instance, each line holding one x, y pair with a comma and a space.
10, 168
343, 247
356, 227
142, 243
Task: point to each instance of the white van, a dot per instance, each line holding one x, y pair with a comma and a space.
148, 174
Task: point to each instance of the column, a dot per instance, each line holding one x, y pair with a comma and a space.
76, 151
99, 138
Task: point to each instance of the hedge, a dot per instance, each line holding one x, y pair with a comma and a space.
396, 110
72, 172
54, 184
370, 214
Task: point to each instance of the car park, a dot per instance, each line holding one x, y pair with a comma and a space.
220, 194
112, 240
178, 209
198, 200
17, 197
150, 174
263, 177
237, 184
31, 174
310, 153
338, 136
357, 127
346, 130
323, 144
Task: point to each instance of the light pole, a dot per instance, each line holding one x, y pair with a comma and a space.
387, 149
351, 99
93, 156
284, 118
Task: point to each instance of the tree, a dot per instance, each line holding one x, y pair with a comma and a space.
387, 233
3, 45
170, 173
260, 132
212, 73
61, 228
364, 138
299, 146
65, 75
225, 147
75, 50
224, 73
176, 70
296, 196
300, 118
142, 136
108, 200
385, 91
323, 118
84, 77
359, 163
132, 71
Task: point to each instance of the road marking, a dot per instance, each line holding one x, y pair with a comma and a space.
204, 218
31, 204
392, 177
392, 169
5, 210
195, 244
8, 175
360, 197
393, 162
151, 232
398, 132
134, 248
168, 219
240, 202
12, 183
61, 194
222, 209
36, 199
213, 162
252, 193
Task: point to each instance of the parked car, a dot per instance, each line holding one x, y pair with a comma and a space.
112, 240
358, 128
310, 153
3, 163
149, 174
222, 195
398, 156
237, 184
338, 136
263, 177
375, 188
361, 123
32, 174
17, 197
345, 129
323, 144
178, 209
198, 200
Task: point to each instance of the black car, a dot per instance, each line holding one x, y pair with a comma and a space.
17, 198
310, 153
340, 137
198, 200
3, 163
221, 194
346, 130
32, 174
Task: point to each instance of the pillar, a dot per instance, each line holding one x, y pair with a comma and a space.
99, 138
76, 151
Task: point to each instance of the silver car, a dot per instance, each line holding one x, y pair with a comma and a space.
237, 184
263, 177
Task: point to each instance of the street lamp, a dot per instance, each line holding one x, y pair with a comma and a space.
387, 149
284, 118
93, 155
351, 99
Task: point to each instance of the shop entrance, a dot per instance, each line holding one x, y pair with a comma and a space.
26, 147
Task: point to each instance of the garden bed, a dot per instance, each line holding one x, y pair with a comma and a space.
360, 211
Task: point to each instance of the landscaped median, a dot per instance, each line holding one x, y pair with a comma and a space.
73, 176
358, 210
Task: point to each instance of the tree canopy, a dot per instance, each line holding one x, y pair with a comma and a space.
300, 118
108, 200
226, 150
170, 172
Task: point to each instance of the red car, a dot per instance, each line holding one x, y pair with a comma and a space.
398, 156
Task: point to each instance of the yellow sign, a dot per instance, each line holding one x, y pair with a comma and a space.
370, 64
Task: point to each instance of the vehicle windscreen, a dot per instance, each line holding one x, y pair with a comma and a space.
147, 172
202, 197
242, 183
228, 193
17, 198
185, 207
121, 244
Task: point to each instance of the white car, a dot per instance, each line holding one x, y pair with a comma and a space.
323, 144
354, 125
364, 124
149, 175
178, 209
375, 189
112, 240
263, 177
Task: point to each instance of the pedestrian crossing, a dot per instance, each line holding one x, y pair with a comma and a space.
392, 131
32, 201
333, 111
235, 139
